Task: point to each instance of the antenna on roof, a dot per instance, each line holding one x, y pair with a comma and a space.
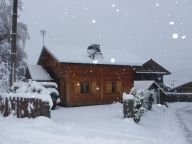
43, 33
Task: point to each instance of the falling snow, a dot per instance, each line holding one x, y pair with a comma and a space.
175, 36
171, 23
113, 5
117, 10
157, 4
112, 60
93, 21
183, 37
129, 25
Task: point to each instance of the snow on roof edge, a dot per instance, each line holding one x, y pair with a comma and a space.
122, 59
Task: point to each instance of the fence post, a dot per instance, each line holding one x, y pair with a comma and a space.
45, 109
6, 111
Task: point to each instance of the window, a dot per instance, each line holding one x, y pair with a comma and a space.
94, 86
84, 87
113, 86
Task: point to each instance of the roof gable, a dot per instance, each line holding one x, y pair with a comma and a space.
80, 55
146, 85
152, 67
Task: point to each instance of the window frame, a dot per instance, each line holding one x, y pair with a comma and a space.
84, 87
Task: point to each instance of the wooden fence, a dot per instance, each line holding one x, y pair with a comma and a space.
179, 97
24, 107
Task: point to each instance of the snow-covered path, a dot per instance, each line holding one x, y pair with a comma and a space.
185, 119
100, 124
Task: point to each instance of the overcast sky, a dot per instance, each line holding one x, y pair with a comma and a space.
158, 29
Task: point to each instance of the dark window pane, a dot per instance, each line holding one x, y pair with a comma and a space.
84, 87
113, 86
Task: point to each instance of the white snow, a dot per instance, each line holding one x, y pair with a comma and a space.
171, 23
49, 84
183, 37
151, 72
101, 124
113, 5
175, 36
117, 10
157, 4
93, 21
37, 72
143, 84
127, 96
32, 89
80, 55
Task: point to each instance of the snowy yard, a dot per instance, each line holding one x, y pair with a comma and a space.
100, 124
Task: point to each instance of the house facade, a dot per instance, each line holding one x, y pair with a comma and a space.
87, 82
151, 70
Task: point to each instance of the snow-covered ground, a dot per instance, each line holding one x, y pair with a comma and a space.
100, 124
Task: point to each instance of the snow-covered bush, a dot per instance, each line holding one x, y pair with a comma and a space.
143, 101
128, 108
31, 89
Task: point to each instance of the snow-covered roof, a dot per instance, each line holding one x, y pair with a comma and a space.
150, 72
146, 85
152, 67
109, 56
49, 84
38, 73
143, 84
187, 83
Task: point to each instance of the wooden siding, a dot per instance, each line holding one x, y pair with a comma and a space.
158, 78
98, 77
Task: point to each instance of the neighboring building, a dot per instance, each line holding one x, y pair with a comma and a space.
158, 93
38, 73
151, 70
85, 81
184, 88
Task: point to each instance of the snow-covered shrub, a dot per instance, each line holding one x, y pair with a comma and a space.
143, 101
31, 89
128, 108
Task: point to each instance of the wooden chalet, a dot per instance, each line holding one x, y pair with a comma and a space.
184, 88
151, 70
83, 80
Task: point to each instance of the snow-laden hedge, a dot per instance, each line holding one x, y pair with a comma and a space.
136, 103
32, 89
26, 100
